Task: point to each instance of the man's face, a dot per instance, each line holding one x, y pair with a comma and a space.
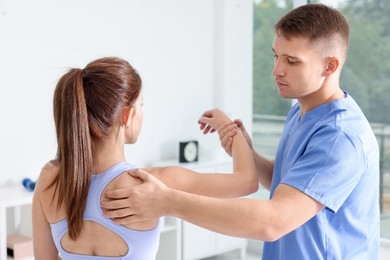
298, 67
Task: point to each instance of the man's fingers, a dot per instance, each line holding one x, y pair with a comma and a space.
228, 132
114, 204
223, 129
226, 128
228, 136
116, 194
139, 173
239, 123
127, 220
228, 146
118, 213
226, 143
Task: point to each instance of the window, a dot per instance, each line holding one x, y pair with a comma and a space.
268, 108
366, 76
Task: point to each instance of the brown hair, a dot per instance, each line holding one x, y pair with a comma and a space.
314, 21
87, 103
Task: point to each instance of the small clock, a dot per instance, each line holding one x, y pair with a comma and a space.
188, 151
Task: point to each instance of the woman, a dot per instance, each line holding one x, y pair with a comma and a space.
97, 110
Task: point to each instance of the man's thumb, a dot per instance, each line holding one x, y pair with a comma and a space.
139, 173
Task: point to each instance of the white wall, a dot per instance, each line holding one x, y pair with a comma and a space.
192, 55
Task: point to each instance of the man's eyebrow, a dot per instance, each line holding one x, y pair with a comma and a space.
288, 56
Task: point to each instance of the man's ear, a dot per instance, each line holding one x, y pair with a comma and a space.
332, 66
127, 116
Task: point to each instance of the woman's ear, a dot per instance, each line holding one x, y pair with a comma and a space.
333, 64
127, 115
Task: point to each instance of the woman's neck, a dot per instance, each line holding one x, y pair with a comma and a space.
107, 153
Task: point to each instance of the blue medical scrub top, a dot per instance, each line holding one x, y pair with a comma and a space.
332, 155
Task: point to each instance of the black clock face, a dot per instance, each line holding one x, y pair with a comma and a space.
190, 151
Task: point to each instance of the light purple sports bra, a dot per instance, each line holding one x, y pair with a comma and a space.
142, 245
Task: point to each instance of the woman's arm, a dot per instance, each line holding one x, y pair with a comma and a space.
44, 247
243, 181
264, 166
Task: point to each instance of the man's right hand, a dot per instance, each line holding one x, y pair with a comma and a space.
145, 201
228, 130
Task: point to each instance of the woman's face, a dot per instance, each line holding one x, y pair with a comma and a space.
133, 131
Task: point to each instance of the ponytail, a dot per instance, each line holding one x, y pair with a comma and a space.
74, 152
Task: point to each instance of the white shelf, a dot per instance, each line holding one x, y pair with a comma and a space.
14, 196
10, 197
168, 228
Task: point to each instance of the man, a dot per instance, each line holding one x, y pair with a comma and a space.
324, 181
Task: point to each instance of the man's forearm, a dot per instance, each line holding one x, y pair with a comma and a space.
233, 217
265, 168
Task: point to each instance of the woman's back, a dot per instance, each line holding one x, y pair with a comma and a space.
99, 236
97, 110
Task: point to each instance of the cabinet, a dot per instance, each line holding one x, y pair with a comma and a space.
197, 242
11, 198
170, 239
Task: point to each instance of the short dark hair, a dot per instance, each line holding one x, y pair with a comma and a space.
314, 21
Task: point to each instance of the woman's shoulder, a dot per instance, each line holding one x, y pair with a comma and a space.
123, 180
48, 172
46, 193
51, 165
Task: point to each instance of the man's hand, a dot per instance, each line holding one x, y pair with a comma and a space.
228, 130
226, 133
146, 201
211, 120
248, 139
